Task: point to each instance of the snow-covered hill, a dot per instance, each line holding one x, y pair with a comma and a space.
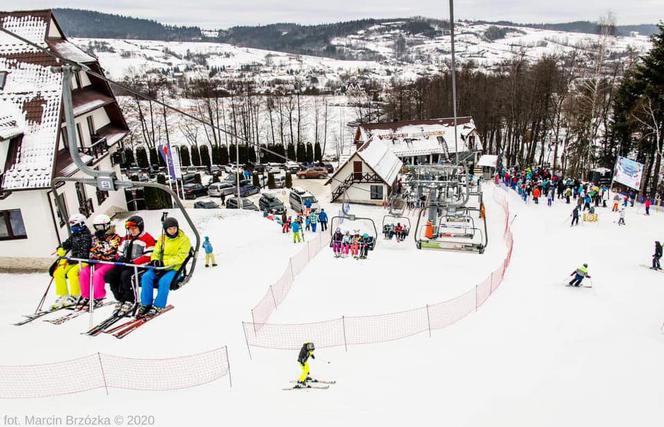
394, 53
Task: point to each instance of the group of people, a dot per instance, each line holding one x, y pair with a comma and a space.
103, 257
354, 244
303, 221
400, 231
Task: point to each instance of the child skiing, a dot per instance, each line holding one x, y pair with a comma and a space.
296, 226
579, 274
621, 220
209, 253
78, 243
105, 244
306, 352
575, 216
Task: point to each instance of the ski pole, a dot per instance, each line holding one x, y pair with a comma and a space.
43, 298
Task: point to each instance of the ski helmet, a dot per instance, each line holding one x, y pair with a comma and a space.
170, 222
77, 219
310, 346
585, 265
102, 222
135, 221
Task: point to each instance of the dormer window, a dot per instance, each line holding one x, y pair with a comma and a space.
3, 79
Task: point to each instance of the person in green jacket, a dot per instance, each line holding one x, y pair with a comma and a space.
170, 252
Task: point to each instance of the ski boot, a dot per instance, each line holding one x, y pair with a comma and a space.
143, 311
60, 302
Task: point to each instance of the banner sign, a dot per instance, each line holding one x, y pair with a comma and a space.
628, 172
172, 162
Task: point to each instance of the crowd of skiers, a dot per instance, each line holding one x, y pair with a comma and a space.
302, 222
90, 260
398, 231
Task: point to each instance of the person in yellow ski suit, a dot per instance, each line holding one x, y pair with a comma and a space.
306, 352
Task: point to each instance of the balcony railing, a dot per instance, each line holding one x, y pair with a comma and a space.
97, 150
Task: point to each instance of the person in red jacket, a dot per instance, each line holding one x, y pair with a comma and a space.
648, 203
136, 248
536, 194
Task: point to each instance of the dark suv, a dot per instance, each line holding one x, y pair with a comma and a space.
269, 201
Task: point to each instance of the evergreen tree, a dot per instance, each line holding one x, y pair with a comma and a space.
195, 156
142, 157
318, 155
279, 149
128, 158
270, 181
223, 155
255, 180
301, 152
154, 158
310, 153
216, 155
205, 156
290, 152
288, 182
185, 158
251, 154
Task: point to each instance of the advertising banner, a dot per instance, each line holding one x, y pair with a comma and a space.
628, 172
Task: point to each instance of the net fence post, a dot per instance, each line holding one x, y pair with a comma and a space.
428, 320
274, 300
343, 326
228, 365
290, 263
476, 290
103, 374
247, 339
253, 320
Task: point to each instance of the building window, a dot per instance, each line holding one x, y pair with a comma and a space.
3, 79
11, 225
91, 127
376, 192
64, 215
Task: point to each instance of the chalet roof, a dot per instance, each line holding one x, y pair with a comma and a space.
11, 123
421, 137
377, 157
35, 91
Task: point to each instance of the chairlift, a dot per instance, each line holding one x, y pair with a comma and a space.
344, 217
439, 235
394, 216
108, 181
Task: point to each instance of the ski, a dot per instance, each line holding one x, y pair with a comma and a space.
308, 387
137, 323
78, 310
650, 268
105, 324
316, 381
31, 317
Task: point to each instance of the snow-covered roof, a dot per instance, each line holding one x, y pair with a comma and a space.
35, 92
488, 160
11, 123
382, 160
422, 137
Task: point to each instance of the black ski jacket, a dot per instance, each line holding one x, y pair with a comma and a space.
79, 244
305, 354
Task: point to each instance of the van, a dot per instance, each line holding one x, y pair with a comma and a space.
297, 198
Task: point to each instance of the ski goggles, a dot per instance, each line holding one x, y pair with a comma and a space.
101, 227
131, 224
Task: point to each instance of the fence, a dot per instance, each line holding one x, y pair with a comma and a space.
345, 331
99, 370
277, 292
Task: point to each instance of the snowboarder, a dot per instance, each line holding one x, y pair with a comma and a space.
170, 252
78, 243
306, 352
579, 274
209, 253
657, 256
322, 217
621, 220
105, 244
575, 216
136, 248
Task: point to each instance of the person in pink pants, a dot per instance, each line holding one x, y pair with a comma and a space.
105, 245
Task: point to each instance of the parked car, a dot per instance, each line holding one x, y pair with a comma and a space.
248, 190
292, 167
191, 178
216, 170
328, 167
297, 198
232, 203
269, 201
315, 172
193, 191
206, 204
227, 187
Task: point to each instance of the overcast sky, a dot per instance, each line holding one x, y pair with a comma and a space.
214, 14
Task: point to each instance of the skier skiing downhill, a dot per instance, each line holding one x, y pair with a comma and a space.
575, 216
171, 251
621, 220
657, 256
79, 244
306, 352
105, 244
579, 274
136, 248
